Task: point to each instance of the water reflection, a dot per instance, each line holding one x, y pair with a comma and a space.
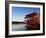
18, 27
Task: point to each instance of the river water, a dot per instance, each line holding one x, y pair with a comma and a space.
18, 27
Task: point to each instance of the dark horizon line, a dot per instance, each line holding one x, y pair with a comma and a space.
17, 22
